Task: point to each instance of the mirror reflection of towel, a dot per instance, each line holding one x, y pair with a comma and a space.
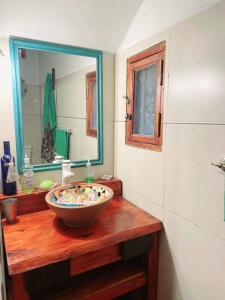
62, 142
48, 122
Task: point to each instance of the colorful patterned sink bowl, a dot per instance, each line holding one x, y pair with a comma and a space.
79, 204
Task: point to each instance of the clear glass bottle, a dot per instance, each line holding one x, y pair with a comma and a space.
28, 176
89, 172
7, 165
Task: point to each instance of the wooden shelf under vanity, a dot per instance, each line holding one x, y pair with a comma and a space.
116, 256
104, 283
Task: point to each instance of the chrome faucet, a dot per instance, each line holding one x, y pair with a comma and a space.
67, 174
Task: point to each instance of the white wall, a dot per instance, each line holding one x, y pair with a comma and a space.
7, 131
179, 185
30, 67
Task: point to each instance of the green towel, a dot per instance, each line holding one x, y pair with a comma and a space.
49, 112
62, 142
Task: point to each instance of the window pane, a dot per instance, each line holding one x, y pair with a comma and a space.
145, 100
94, 115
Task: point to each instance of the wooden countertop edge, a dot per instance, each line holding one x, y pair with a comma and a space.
27, 265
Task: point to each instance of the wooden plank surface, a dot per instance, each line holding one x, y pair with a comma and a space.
41, 238
16, 288
94, 259
152, 280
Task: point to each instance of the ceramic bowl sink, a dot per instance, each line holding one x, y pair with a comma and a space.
79, 204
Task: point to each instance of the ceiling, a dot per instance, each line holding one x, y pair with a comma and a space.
100, 24
154, 16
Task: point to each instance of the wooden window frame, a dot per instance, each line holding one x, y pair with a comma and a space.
90, 81
140, 61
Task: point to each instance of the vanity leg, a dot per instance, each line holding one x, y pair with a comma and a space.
18, 289
153, 269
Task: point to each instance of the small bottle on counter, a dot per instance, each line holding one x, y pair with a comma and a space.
28, 176
89, 172
9, 174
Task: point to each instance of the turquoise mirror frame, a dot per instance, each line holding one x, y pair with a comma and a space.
15, 44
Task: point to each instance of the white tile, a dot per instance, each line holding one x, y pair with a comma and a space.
192, 262
71, 91
120, 87
32, 101
142, 201
196, 75
139, 168
193, 188
107, 166
108, 150
108, 86
88, 144
55, 176
71, 95
168, 281
32, 136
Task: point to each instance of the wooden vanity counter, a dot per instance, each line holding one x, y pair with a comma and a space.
40, 240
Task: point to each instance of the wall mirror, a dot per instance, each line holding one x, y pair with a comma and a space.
57, 103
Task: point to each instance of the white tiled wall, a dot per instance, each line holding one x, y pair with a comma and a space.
193, 188
197, 67
192, 262
179, 185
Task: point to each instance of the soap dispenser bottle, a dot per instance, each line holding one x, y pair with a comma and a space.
28, 176
9, 175
89, 172
67, 173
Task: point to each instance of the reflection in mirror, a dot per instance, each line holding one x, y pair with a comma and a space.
59, 105
91, 104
